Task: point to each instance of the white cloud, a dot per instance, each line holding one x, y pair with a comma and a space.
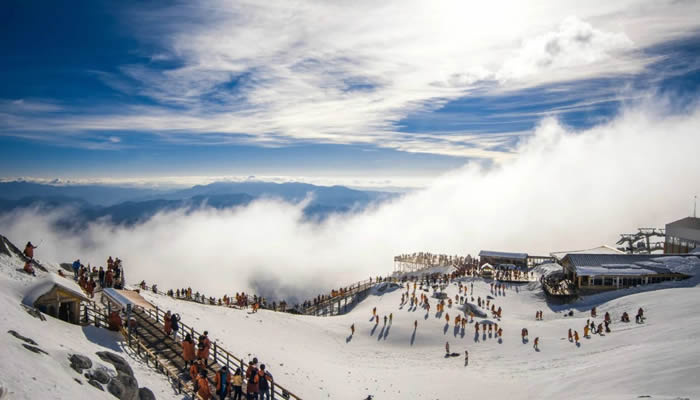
565, 190
347, 72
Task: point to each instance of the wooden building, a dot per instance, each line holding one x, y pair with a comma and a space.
58, 297
496, 258
598, 272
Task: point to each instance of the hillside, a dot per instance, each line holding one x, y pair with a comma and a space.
48, 375
316, 357
83, 204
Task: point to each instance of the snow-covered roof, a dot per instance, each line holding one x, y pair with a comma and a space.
547, 269
503, 254
46, 284
658, 265
604, 249
615, 270
487, 266
117, 297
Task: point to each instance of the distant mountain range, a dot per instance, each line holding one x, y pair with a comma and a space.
128, 206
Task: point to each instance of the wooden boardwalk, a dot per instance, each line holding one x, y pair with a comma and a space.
149, 332
338, 304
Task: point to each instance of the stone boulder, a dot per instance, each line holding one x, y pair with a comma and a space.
96, 384
115, 388
119, 363
99, 375
79, 362
146, 394
130, 387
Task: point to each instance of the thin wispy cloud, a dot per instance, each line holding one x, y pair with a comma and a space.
276, 73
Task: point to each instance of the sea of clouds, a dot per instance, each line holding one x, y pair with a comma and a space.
564, 190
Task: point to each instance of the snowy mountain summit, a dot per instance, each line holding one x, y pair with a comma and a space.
384, 347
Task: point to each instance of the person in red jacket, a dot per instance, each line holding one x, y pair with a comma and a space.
115, 321
29, 250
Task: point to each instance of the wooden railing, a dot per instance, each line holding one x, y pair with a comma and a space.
92, 314
328, 302
218, 354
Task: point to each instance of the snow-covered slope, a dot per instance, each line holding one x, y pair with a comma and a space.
316, 358
29, 375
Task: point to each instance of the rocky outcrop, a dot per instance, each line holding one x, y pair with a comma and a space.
22, 338
34, 312
34, 349
7, 248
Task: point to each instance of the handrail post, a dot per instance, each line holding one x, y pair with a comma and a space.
156, 314
214, 351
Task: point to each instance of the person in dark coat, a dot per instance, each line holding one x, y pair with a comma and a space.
175, 324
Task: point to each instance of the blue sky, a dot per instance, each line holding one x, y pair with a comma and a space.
147, 89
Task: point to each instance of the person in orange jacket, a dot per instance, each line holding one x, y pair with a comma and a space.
28, 268
195, 368
188, 350
202, 385
204, 339
222, 380
167, 325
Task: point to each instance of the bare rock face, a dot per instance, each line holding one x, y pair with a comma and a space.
79, 362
